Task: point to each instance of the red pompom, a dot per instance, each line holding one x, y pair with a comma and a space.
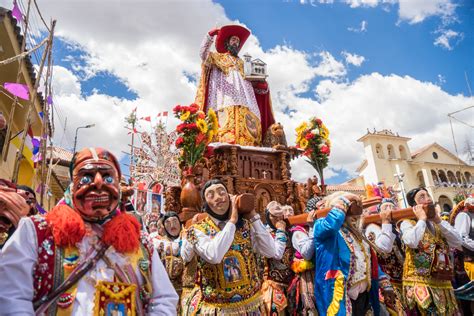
122, 232
67, 225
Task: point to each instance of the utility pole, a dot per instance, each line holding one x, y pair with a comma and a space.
31, 105
44, 182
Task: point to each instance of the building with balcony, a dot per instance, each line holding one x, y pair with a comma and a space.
432, 166
17, 72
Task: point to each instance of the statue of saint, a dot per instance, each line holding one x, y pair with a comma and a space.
223, 88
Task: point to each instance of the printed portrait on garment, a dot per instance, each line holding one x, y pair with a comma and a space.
232, 270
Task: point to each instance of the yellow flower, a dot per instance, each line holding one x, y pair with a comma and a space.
328, 143
185, 116
213, 120
202, 125
301, 128
304, 143
323, 131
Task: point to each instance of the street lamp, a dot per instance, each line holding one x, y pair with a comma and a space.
75, 138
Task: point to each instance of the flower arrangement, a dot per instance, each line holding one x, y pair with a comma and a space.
313, 138
196, 131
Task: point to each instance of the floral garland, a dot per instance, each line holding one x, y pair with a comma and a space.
313, 138
196, 131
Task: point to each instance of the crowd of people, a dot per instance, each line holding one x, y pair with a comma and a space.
92, 255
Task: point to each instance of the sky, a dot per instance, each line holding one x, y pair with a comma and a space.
401, 65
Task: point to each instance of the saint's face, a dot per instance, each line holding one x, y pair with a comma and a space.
234, 41
96, 188
217, 198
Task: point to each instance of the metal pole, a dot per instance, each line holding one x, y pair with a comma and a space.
75, 137
75, 140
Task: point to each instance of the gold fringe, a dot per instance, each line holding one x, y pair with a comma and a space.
251, 305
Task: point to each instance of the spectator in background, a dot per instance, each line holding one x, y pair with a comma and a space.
30, 196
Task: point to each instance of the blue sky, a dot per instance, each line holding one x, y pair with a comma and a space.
388, 45
357, 64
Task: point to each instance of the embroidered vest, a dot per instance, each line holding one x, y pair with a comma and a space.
235, 279
467, 252
172, 261
372, 272
56, 263
280, 270
392, 263
430, 262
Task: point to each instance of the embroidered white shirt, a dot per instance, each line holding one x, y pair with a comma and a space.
16, 276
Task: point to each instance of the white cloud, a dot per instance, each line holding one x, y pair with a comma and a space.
361, 29
446, 37
155, 57
329, 67
441, 79
65, 83
405, 105
363, 3
353, 59
412, 11
416, 11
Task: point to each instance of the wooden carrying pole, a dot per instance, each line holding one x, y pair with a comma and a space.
301, 219
397, 215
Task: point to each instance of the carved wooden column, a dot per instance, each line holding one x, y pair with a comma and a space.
284, 166
233, 161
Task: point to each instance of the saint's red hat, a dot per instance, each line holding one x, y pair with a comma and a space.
231, 30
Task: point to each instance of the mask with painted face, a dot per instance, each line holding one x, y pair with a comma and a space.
172, 225
217, 200
96, 187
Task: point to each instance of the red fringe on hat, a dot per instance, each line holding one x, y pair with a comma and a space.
67, 225
122, 232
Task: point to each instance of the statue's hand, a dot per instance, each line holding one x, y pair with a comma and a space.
213, 32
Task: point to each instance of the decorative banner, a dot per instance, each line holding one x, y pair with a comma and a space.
18, 89
156, 203
135, 131
165, 113
159, 114
146, 118
36, 145
49, 100
16, 12
37, 158
41, 114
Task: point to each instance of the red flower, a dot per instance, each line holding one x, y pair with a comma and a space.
308, 152
179, 141
309, 136
191, 126
201, 115
200, 138
325, 150
193, 108
181, 127
319, 122
177, 109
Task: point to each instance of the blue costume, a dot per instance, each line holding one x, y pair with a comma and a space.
334, 253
